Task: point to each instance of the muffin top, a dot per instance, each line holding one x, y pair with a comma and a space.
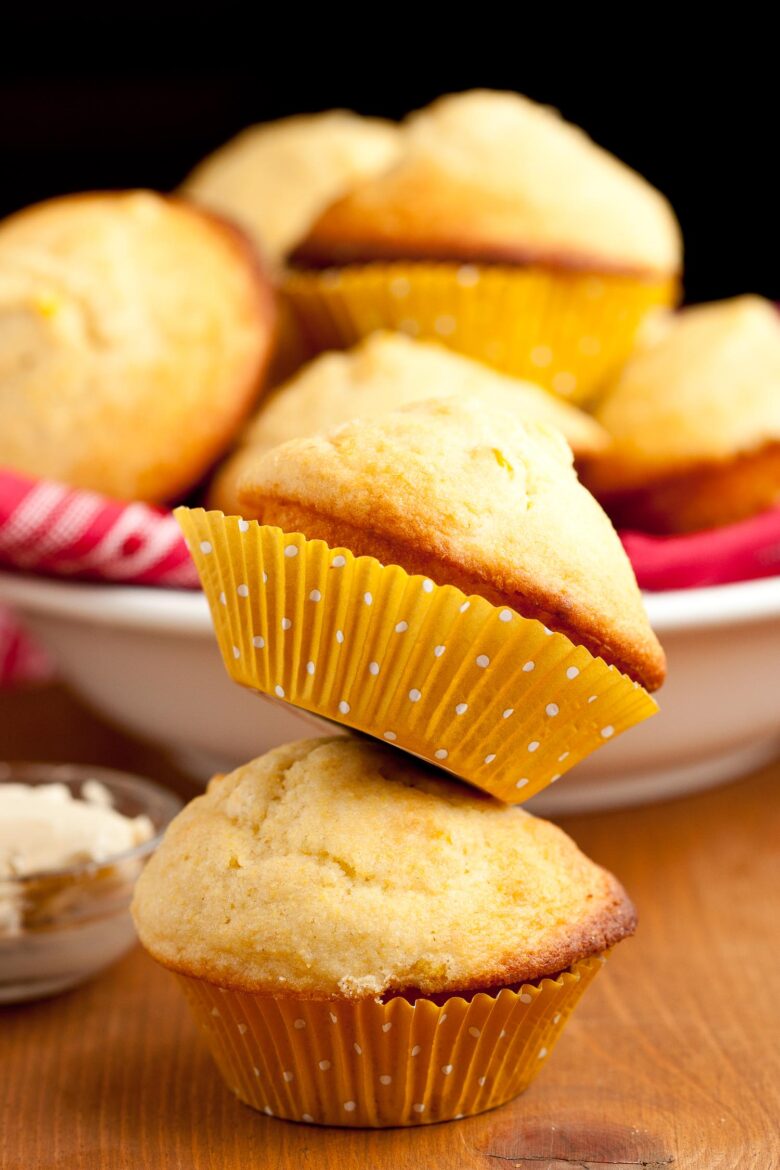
338, 867
134, 332
494, 177
274, 179
389, 370
703, 390
469, 496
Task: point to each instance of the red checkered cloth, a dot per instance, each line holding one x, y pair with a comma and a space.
51, 529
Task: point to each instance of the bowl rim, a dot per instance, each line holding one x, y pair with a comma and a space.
185, 611
115, 780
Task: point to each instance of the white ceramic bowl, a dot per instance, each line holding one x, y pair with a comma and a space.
148, 659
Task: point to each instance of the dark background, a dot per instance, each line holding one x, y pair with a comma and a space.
89, 101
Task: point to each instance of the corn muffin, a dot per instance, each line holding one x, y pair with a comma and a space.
389, 370
695, 422
472, 497
366, 943
505, 231
274, 179
134, 333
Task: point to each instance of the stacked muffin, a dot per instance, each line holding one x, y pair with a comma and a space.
365, 941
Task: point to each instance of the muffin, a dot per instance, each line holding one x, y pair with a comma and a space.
437, 577
695, 422
366, 943
505, 231
389, 370
134, 333
274, 179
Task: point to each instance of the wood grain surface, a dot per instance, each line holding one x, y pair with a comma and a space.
673, 1058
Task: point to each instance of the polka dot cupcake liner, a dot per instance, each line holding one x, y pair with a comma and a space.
494, 698
566, 331
367, 1063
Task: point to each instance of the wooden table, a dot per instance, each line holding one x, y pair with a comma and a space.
673, 1058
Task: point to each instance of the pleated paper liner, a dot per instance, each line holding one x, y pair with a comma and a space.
567, 331
492, 697
367, 1063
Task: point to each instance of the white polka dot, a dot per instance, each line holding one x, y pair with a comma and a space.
427, 586
461, 708
324, 1065
265, 578
386, 1027
415, 695
564, 382
222, 599
310, 668
350, 1106
489, 758
506, 615
466, 605
401, 627
481, 1080
533, 745
242, 1029
416, 1050
446, 1069
291, 551
442, 1018
243, 590
315, 595
268, 1111
243, 526
385, 1080
344, 707
339, 562
439, 650
339, 636
526, 998
288, 1076
373, 668
410, 326
555, 778
236, 652
399, 287
528, 667
521, 783
483, 660
299, 1023
592, 698
256, 1071
307, 1117
572, 672
420, 1108
607, 732
391, 736
563, 756
445, 325
258, 642
215, 1011
467, 276
358, 1049
508, 713
333, 1018
541, 355
502, 1034
441, 753
368, 598
551, 710
542, 1053
475, 1032
557, 1018
205, 546
286, 623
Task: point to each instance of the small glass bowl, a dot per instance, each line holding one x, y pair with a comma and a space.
60, 927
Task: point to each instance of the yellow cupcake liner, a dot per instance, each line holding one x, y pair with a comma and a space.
367, 1063
494, 698
566, 331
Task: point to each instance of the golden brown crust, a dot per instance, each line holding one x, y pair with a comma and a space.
708, 496
137, 332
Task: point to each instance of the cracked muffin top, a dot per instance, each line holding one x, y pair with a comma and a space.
494, 177
386, 371
469, 496
339, 868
